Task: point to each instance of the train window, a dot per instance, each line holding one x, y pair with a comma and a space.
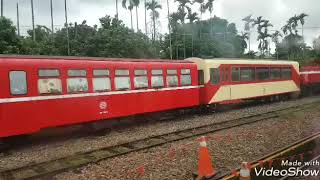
172, 71
201, 77
18, 82
275, 73
172, 78
157, 72
185, 77
101, 84
214, 76
185, 71
122, 72
262, 74
247, 74
77, 73
101, 81
49, 73
157, 78
140, 72
141, 82
101, 72
76, 85
141, 79
286, 73
172, 81
235, 74
122, 80
122, 83
50, 86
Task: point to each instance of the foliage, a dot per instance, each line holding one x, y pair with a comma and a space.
263, 34
293, 45
112, 39
153, 6
316, 47
9, 41
200, 42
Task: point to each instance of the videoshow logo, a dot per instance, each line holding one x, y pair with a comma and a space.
291, 169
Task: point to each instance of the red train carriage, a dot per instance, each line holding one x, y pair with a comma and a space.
310, 79
39, 92
232, 80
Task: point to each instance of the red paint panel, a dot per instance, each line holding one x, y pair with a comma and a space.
29, 117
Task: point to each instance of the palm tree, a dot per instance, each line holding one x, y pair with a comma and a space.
263, 36
248, 23
244, 37
202, 6
192, 16
153, 6
302, 21
145, 16
183, 5
117, 9
130, 7
275, 38
136, 3
209, 6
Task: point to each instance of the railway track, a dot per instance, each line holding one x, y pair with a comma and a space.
52, 167
305, 150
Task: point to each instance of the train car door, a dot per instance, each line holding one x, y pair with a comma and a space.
225, 87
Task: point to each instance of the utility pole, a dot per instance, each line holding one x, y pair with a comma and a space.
145, 16
18, 19
67, 26
169, 26
117, 9
33, 29
51, 10
1, 8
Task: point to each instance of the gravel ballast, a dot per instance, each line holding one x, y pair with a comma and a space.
228, 148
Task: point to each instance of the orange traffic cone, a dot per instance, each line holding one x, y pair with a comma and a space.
205, 168
244, 172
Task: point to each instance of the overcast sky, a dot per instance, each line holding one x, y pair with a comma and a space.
277, 11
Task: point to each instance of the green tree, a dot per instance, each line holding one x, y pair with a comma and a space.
263, 34
275, 39
209, 6
9, 41
153, 6
292, 45
316, 47
247, 27
130, 7
136, 4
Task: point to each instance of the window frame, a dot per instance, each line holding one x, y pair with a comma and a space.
101, 77
182, 74
271, 74
262, 67
253, 76
172, 75
26, 78
140, 75
291, 73
157, 75
116, 76
42, 77
77, 70
238, 74
200, 77
77, 77
49, 77
217, 79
